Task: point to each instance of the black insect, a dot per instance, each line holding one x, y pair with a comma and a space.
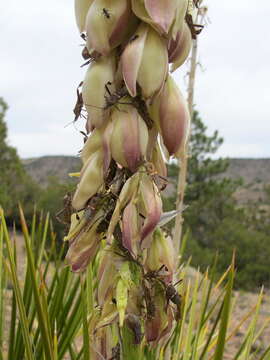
106, 13
172, 295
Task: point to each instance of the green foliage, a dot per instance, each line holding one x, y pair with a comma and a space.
16, 185
54, 306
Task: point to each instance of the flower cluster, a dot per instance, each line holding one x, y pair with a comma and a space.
136, 119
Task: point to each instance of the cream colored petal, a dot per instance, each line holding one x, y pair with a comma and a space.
131, 59
94, 91
81, 10
154, 65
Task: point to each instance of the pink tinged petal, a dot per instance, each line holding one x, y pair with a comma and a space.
155, 326
131, 59
82, 249
152, 327
123, 23
174, 117
153, 206
135, 138
129, 137
130, 229
83, 259
162, 12
128, 191
179, 48
155, 54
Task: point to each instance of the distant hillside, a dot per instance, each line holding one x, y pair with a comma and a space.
57, 166
255, 173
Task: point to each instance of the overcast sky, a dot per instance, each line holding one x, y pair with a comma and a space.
40, 69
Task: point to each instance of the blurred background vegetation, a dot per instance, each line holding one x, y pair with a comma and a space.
215, 219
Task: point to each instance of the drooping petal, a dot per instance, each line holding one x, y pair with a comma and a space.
153, 208
130, 228
179, 48
137, 61
174, 117
129, 190
161, 252
94, 88
90, 182
93, 144
131, 59
83, 240
182, 6
151, 13
155, 52
81, 10
159, 162
129, 137
156, 325
162, 12
106, 24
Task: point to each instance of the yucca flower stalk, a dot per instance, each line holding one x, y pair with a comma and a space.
137, 119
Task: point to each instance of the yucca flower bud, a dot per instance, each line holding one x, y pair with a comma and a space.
106, 277
158, 325
170, 111
181, 11
91, 180
107, 24
161, 253
151, 208
137, 59
179, 48
129, 137
130, 228
84, 240
159, 161
81, 10
99, 74
129, 190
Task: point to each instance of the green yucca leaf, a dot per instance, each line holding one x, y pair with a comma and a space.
90, 288
192, 320
86, 343
266, 354
225, 315
184, 243
18, 294
41, 315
